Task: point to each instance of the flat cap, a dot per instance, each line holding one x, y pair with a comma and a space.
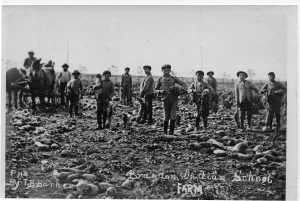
76, 72
271, 73
199, 72
166, 66
107, 72
147, 67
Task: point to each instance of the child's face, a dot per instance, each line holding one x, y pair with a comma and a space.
147, 71
242, 76
76, 76
199, 77
271, 78
166, 72
106, 76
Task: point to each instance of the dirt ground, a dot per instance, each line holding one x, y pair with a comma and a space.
138, 160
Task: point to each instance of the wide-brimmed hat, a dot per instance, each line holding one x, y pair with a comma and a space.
107, 72
166, 66
210, 72
30, 52
127, 68
271, 73
199, 72
238, 73
65, 65
76, 72
147, 67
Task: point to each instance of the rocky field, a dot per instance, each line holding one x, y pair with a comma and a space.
49, 155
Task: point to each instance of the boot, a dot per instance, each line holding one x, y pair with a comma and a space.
166, 124
172, 126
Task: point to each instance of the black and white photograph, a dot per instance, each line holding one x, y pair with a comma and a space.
149, 102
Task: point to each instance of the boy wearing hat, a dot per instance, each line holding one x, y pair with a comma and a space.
214, 98
164, 86
146, 90
212, 81
63, 78
201, 92
126, 87
74, 92
29, 62
242, 93
274, 92
104, 95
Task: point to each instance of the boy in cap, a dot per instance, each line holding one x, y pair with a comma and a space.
126, 87
170, 100
146, 90
29, 62
104, 95
201, 92
242, 93
74, 92
274, 91
63, 78
214, 98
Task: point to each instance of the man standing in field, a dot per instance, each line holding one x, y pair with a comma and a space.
147, 91
242, 93
74, 92
104, 93
166, 87
63, 78
274, 92
214, 98
200, 93
126, 87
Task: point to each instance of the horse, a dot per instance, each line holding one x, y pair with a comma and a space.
42, 83
16, 80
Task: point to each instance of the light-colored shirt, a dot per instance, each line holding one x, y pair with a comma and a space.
75, 86
200, 86
147, 85
64, 76
242, 91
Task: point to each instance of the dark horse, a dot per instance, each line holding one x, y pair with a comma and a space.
42, 83
16, 80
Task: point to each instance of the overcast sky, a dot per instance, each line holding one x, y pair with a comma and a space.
231, 38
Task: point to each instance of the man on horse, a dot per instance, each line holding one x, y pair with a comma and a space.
29, 62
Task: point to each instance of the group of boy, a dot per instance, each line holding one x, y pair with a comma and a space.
202, 93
